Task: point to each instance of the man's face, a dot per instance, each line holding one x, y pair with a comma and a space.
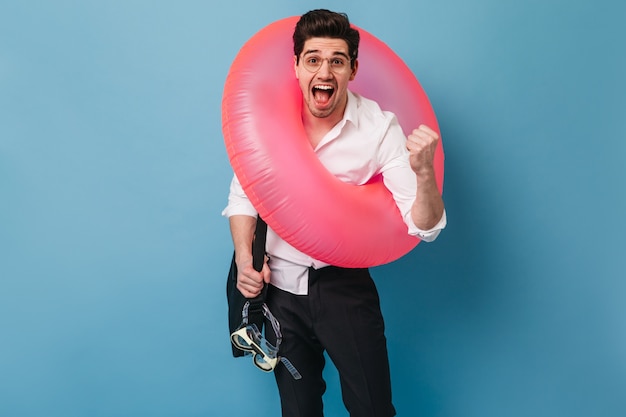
324, 89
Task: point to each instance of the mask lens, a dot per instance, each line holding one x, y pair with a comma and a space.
240, 341
244, 338
264, 363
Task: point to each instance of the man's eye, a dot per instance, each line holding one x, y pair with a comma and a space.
312, 60
338, 62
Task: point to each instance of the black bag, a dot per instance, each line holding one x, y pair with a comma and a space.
235, 298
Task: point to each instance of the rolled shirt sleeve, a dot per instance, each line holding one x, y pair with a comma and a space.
238, 202
427, 235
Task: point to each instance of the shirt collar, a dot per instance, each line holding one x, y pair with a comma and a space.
350, 114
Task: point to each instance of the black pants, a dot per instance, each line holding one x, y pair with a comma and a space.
340, 315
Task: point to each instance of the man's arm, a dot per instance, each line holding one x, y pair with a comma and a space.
428, 207
249, 281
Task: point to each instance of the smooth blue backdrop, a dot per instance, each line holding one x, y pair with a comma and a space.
113, 174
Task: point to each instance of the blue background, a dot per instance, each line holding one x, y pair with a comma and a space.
113, 173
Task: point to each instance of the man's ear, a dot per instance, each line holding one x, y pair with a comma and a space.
295, 65
354, 70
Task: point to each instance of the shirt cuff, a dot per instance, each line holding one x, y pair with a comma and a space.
431, 234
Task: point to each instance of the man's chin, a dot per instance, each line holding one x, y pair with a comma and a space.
321, 112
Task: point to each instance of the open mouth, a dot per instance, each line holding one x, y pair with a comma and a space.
323, 93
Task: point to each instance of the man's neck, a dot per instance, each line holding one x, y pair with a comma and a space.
317, 127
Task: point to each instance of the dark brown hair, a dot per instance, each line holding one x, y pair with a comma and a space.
322, 23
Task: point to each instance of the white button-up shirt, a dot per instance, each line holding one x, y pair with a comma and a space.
365, 143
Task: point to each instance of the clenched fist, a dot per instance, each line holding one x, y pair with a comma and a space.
422, 143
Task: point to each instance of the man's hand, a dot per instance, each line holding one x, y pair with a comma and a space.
422, 143
249, 281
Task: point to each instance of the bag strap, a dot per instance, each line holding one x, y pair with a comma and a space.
255, 309
258, 244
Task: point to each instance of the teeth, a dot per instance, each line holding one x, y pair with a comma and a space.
323, 87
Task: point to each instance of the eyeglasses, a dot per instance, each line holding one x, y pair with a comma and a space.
264, 355
337, 64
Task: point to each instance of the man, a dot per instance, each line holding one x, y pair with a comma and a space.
323, 308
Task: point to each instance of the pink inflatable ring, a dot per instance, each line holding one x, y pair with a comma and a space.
337, 223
